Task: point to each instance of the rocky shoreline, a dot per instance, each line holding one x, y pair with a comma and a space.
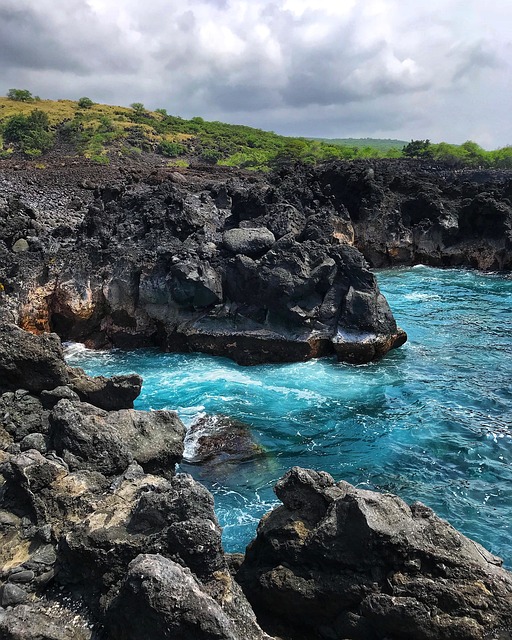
100, 538
257, 268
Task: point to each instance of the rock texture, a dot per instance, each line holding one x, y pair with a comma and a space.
221, 266
253, 267
95, 524
101, 538
339, 562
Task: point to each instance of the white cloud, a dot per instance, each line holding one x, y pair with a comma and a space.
436, 68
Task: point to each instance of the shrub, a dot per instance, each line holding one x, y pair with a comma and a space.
171, 149
31, 133
139, 108
211, 156
85, 103
20, 95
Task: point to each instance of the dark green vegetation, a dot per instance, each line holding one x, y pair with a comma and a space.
99, 132
379, 144
468, 154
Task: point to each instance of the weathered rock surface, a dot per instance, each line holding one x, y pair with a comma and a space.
111, 394
28, 362
225, 266
90, 438
79, 502
339, 562
218, 439
171, 604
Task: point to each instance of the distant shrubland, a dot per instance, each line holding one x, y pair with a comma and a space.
31, 126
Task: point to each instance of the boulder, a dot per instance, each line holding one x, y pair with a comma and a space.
170, 603
30, 362
111, 394
90, 438
249, 242
335, 561
218, 439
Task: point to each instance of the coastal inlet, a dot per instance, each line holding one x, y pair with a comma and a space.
432, 421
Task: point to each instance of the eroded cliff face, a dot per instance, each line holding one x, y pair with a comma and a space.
260, 269
403, 213
227, 267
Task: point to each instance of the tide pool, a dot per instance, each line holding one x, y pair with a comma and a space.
432, 421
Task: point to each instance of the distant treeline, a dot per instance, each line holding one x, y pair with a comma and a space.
33, 127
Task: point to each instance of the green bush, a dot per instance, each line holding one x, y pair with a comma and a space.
30, 133
139, 108
171, 149
20, 95
85, 103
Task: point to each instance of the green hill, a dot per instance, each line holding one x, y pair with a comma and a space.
32, 127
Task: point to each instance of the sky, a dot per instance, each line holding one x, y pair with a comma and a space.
406, 69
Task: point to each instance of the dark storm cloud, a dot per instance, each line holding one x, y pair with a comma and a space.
69, 39
297, 66
26, 42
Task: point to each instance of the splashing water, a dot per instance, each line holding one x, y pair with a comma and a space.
432, 421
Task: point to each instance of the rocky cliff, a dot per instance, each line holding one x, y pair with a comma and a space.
100, 538
258, 268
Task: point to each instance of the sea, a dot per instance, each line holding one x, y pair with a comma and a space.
430, 422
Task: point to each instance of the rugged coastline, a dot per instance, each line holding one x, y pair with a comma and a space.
259, 268
94, 521
100, 538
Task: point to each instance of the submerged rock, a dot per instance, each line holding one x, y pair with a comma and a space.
339, 562
219, 439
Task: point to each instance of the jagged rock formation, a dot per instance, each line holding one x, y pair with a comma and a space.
400, 213
256, 268
221, 266
339, 562
87, 496
100, 538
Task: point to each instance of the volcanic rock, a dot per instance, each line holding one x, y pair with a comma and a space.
219, 439
340, 562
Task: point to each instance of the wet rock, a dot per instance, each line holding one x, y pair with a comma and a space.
218, 439
111, 394
30, 362
339, 562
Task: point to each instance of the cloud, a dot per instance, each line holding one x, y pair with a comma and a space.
357, 67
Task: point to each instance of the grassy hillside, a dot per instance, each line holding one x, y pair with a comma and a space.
381, 144
99, 131
32, 127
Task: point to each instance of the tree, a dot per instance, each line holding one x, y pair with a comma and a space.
139, 108
417, 149
85, 103
20, 95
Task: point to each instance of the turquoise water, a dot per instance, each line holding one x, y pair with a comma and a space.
432, 421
